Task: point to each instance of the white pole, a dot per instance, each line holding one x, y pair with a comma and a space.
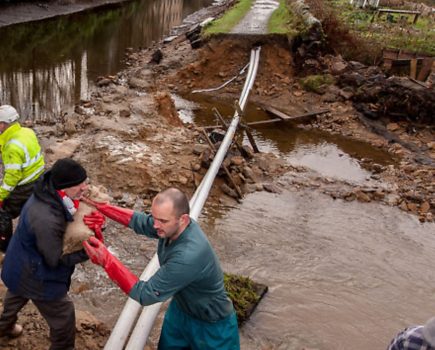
149, 313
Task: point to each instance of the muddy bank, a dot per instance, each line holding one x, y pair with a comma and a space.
36, 11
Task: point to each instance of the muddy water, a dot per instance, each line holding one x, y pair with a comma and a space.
47, 66
332, 156
340, 275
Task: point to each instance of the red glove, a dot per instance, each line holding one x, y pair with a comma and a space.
121, 215
95, 222
117, 272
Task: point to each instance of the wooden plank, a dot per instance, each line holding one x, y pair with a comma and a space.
276, 112
425, 69
409, 12
413, 69
252, 141
297, 118
391, 54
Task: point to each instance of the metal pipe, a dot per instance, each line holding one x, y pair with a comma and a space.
149, 313
130, 312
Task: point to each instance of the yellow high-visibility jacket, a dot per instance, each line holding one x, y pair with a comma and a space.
23, 161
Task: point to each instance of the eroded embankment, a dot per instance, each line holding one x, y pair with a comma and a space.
278, 84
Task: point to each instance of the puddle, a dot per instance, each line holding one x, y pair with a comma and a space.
331, 156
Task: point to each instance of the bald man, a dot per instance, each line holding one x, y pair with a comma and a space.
200, 315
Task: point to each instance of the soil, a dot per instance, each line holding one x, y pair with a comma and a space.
131, 141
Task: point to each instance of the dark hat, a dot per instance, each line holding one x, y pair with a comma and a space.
67, 173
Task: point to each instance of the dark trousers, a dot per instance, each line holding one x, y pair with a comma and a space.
59, 314
11, 209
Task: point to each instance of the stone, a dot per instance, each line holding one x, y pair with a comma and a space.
412, 207
392, 126
362, 197
237, 160
425, 207
124, 113
229, 191
199, 148
271, 188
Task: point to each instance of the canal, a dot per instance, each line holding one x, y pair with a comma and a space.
48, 66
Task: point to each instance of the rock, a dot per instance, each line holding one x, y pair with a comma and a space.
412, 207
124, 113
70, 127
196, 167
362, 197
156, 57
237, 160
425, 207
229, 191
338, 66
248, 173
103, 82
136, 83
378, 195
298, 93
403, 206
199, 148
183, 180
271, 188
350, 196
206, 158
393, 126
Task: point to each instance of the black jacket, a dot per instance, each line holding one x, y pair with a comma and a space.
34, 266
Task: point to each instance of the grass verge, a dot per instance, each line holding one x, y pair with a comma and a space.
283, 21
229, 19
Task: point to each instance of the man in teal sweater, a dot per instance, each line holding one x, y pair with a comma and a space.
200, 315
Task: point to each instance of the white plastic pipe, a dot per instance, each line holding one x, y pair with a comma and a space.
128, 316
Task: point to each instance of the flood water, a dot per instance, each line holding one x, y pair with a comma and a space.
48, 66
341, 276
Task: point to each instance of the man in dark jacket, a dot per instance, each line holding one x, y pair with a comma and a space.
34, 267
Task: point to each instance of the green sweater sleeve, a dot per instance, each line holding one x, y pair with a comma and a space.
172, 277
142, 224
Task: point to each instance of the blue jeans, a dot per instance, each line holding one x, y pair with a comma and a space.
182, 332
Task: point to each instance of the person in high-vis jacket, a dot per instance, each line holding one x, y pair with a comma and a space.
200, 315
23, 164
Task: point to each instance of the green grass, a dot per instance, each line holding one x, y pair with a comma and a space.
402, 34
229, 19
316, 83
282, 21
242, 292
